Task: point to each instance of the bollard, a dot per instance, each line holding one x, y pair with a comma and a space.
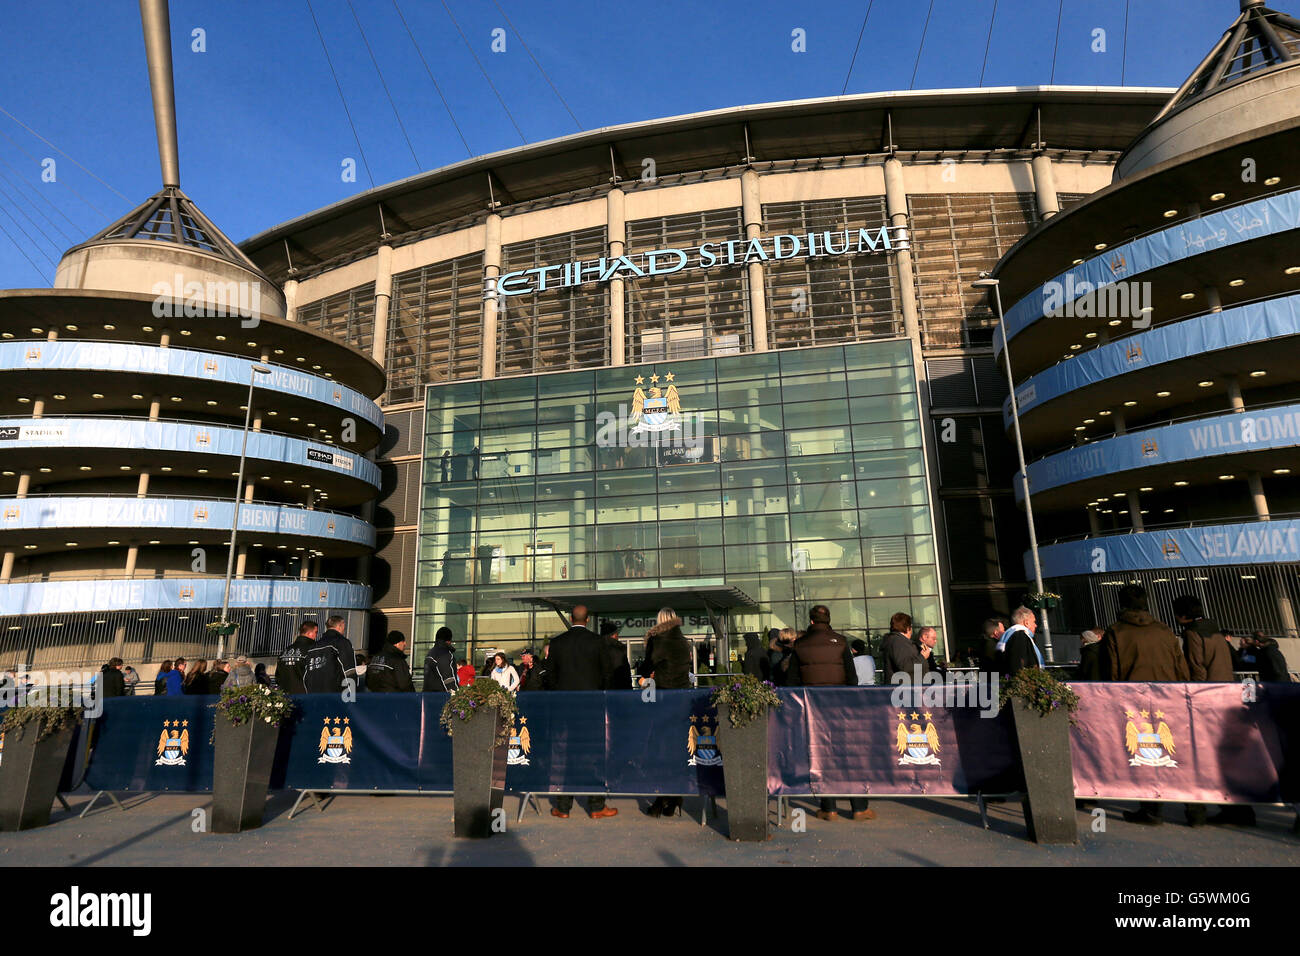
1044, 746
478, 773
744, 774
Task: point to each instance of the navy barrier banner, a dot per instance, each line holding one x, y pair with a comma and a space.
1131, 741
850, 740
1188, 742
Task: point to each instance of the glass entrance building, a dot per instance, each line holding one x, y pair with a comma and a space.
795, 477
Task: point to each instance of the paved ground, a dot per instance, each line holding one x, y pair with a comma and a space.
157, 830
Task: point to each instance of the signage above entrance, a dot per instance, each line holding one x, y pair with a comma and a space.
729, 252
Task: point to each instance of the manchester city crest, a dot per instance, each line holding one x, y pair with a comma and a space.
917, 747
657, 411
702, 743
520, 745
173, 743
1148, 746
335, 741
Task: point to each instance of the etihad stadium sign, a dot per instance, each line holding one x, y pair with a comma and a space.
707, 255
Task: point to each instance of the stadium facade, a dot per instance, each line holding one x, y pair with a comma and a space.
781, 263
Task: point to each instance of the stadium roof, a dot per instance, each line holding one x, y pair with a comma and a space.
820, 131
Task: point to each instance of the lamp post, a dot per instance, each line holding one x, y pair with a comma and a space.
256, 370
985, 281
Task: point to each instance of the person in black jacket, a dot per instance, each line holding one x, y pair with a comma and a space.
1269, 660
756, 661
669, 655
1017, 648
289, 669
217, 674
111, 681
440, 664
901, 655
331, 663
388, 671
160, 682
578, 661
531, 671
620, 677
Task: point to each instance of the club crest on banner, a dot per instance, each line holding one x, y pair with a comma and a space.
1148, 746
335, 741
173, 743
520, 745
917, 747
658, 411
702, 743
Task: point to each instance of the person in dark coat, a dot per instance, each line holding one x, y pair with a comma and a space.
901, 655
531, 671
1209, 656
822, 658
756, 661
994, 628
928, 640
1090, 656
289, 668
779, 648
261, 676
620, 677
1269, 659
331, 663
440, 664
111, 681
388, 671
669, 656
196, 678
217, 674
578, 661
1017, 649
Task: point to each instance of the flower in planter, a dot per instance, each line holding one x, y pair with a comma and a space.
746, 699
464, 703
269, 704
1038, 690
50, 720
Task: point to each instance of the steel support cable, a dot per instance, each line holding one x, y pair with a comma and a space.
861, 31
1057, 45
538, 65
384, 84
18, 182
342, 98
989, 42
35, 225
24, 254
37, 161
1123, 57
420, 54
62, 153
919, 49
465, 39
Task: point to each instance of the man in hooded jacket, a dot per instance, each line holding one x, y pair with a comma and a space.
440, 664
388, 671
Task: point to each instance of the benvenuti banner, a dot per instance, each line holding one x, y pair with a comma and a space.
1131, 741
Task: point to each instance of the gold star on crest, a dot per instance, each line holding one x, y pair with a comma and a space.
1160, 714
668, 377
1145, 714
640, 379
929, 717
1129, 714
915, 715
654, 378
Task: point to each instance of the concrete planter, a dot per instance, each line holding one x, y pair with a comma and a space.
478, 773
29, 775
241, 773
744, 774
1044, 745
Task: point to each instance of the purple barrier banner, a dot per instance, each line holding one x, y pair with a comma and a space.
851, 740
1195, 742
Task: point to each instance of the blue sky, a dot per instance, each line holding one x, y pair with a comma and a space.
263, 133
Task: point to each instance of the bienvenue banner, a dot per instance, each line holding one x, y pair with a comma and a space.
1239, 325
186, 363
145, 435
1259, 542
1252, 220
71, 597
1185, 441
1132, 741
38, 513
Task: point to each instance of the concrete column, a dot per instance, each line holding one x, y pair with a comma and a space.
53, 335
1212, 298
616, 229
491, 272
7, 566
38, 406
1045, 186
1094, 523
165, 338
1234, 394
1257, 495
383, 297
291, 300
1119, 422
751, 210
896, 209
1135, 511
